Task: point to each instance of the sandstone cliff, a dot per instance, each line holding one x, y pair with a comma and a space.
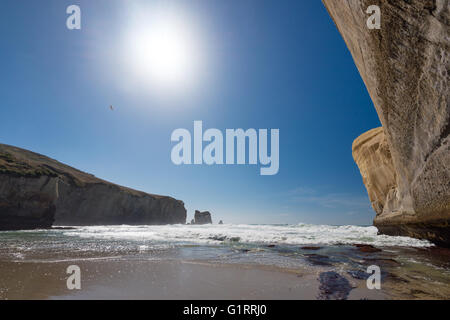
371, 153
37, 192
405, 66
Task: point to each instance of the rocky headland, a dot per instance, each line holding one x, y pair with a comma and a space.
38, 192
405, 66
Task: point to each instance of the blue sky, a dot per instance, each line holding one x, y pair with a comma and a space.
259, 64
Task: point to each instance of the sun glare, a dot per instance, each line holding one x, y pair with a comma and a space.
163, 49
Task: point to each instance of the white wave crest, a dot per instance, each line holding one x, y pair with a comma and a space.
301, 234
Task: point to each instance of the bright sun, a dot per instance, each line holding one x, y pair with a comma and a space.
163, 50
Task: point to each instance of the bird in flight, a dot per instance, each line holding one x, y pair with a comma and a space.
111, 107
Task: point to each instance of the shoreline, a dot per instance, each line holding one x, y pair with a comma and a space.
165, 279
220, 263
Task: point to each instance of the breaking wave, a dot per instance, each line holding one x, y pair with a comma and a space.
301, 234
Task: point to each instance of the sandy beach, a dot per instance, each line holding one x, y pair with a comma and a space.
112, 279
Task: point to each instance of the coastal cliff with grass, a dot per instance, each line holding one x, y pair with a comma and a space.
405, 66
38, 192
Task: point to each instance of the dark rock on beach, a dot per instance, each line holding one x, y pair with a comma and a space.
333, 286
438, 255
367, 248
38, 192
358, 274
311, 248
318, 260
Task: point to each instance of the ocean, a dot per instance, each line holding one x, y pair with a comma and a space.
410, 268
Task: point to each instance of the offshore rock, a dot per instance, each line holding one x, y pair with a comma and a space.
202, 217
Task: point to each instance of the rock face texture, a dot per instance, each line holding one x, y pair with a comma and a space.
405, 66
202, 217
37, 192
371, 153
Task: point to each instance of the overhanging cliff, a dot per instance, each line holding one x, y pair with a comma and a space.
405, 66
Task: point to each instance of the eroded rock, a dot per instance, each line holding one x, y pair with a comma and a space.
372, 155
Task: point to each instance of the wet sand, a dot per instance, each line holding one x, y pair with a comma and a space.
119, 279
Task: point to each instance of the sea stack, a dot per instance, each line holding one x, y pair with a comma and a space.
405, 65
202, 217
38, 192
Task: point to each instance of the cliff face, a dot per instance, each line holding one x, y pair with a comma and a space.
26, 203
405, 66
37, 192
371, 153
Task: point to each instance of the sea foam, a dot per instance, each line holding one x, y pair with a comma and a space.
300, 234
